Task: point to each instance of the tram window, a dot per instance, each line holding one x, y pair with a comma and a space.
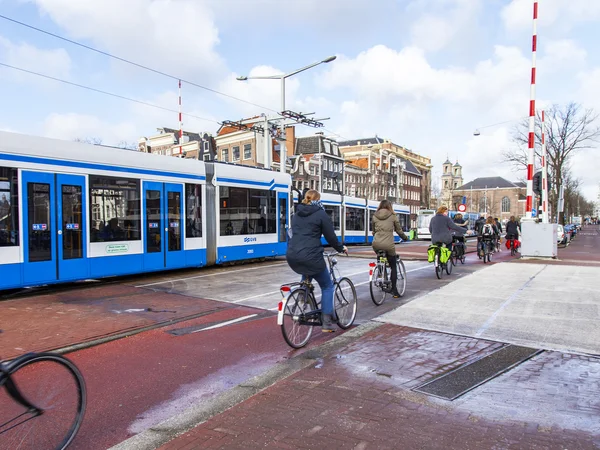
9, 207
114, 209
193, 208
247, 211
355, 219
334, 214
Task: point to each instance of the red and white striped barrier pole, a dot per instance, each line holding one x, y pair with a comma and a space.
180, 122
530, 161
545, 217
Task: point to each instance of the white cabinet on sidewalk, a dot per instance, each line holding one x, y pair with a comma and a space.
538, 240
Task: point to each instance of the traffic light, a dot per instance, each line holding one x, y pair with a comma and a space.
537, 183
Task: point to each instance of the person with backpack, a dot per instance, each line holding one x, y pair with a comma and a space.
489, 232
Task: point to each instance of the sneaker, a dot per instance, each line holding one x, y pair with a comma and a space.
327, 326
395, 294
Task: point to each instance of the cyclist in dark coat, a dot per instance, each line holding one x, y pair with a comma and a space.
305, 252
440, 227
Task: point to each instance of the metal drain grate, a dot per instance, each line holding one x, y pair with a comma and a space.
461, 380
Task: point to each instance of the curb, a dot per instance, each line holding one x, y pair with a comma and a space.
170, 429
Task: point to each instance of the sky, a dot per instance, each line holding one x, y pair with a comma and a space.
423, 73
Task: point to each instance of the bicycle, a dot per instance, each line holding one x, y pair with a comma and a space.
48, 396
299, 310
512, 243
487, 245
380, 278
458, 251
438, 265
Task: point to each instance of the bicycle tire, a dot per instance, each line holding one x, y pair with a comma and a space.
401, 279
376, 286
295, 333
41, 379
449, 265
345, 303
438, 266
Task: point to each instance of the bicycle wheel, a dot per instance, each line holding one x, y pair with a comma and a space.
449, 265
55, 386
512, 248
453, 256
345, 303
401, 281
378, 294
438, 266
295, 329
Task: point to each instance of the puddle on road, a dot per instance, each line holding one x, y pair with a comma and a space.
212, 385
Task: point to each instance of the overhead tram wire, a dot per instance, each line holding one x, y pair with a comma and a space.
141, 66
122, 97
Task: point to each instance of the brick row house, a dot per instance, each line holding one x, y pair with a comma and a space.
318, 164
199, 146
248, 147
360, 148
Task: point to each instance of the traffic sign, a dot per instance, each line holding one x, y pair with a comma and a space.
533, 213
462, 208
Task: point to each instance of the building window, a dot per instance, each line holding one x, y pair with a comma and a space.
236, 153
9, 207
505, 205
193, 210
247, 151
115, 209
225, 155
207, 157
247, 211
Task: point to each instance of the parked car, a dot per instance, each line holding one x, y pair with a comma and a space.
570, 229
562, 237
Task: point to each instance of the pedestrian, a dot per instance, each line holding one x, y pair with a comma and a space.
305, 252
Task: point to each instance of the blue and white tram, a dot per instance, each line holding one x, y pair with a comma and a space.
356, 218
252, 212
71, 211
403, 213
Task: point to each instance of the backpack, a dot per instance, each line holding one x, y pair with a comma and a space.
487, 230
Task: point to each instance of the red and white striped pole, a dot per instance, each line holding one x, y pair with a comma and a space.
180, 122
530, 161
545, 217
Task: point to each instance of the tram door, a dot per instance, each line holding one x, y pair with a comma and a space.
163, 222
54, 227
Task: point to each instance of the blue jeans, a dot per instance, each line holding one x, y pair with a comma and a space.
326, 285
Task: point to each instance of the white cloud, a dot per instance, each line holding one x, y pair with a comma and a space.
562, 54
518, 14
435, 31
71, 126
159, 33
54, 62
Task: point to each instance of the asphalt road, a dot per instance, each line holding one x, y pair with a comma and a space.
140, 381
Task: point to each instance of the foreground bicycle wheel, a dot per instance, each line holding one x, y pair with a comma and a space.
401, 282
438, 266
55, 386
449, 265
295, 329
376, 287
345, 303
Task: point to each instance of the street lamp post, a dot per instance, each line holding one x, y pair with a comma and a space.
282, 77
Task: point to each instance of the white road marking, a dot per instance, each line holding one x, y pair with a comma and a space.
229, 322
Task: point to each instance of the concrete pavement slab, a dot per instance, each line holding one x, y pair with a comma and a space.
535, 305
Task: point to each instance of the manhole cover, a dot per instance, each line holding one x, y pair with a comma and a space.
470, 375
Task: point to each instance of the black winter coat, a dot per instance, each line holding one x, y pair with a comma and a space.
512, 229
305, 251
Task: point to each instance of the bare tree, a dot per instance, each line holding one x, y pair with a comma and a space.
127, 145
569, 129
